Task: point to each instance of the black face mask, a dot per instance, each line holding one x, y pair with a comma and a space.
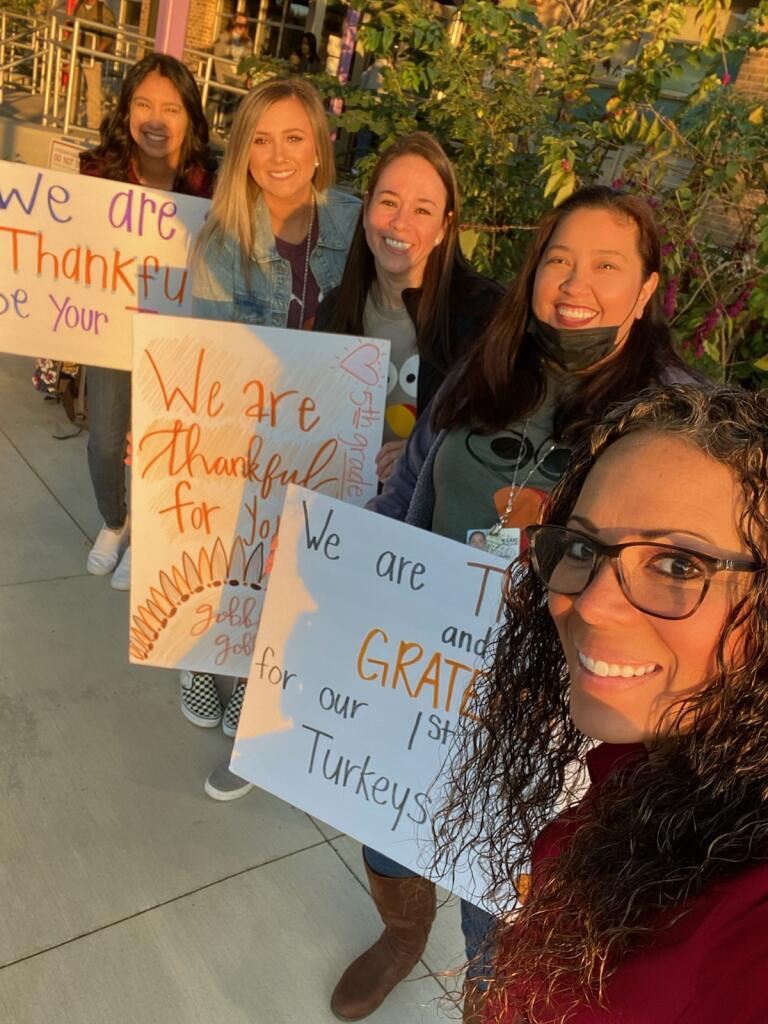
572, 348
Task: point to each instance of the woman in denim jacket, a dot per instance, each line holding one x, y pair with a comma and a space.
277, 236
275, 242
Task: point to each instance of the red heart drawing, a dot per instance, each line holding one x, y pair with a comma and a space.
362, 363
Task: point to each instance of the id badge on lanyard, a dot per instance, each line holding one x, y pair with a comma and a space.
517, 507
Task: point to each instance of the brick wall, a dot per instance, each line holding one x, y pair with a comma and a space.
201, 27
753, 75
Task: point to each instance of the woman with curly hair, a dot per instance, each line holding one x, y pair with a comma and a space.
157, 136
580, 328
637, 621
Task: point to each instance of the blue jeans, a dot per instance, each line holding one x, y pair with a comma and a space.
476, 923
109, 419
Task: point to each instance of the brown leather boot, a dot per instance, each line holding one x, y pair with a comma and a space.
474, 1003
407, 907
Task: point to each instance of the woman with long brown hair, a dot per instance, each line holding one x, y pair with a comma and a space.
406, 280
638, 620
157, 136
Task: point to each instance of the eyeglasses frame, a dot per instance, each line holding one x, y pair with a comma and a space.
612, 552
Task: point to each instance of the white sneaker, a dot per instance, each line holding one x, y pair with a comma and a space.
109, 546
121, 577
223, 784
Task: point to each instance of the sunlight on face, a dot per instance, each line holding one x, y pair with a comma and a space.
283, 152
647, 482
405, 219
591, 273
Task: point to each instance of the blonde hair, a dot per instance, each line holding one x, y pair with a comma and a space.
236, 193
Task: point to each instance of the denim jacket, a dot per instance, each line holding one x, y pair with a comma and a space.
220, 290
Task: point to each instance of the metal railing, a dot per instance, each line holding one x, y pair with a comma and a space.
40, 56
22, 53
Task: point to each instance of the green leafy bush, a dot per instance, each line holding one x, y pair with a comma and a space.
529, 107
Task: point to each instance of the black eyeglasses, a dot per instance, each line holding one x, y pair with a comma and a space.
661, 579
241, 24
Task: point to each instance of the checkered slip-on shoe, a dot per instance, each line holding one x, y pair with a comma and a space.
200, 702
233, 708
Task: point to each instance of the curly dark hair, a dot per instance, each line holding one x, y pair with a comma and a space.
503, 378
117, 150
660, 829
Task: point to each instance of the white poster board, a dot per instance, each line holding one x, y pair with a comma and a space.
79, 256
369, 646
225, 416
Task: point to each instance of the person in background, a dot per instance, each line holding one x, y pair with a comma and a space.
233, 45
89, 68
638, 623
157, 137
580, 328
274, 244
305, 60
407, 281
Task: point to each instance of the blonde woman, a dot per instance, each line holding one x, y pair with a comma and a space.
277, 236
275, 242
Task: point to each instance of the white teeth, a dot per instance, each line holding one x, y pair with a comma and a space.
281, 174
604, 668
395, 243
569, 313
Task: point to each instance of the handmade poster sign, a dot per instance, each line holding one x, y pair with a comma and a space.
225, 416
80, 256
370, 643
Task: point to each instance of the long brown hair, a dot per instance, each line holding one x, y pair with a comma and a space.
433, 315
117, 150
504, 378
659, 830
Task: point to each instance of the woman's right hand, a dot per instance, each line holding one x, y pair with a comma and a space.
387, 458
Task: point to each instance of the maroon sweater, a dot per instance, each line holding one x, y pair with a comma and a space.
196, 182
711, 967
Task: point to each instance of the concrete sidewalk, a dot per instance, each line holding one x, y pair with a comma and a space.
127, 896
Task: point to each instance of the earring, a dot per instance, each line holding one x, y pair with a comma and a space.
317, 162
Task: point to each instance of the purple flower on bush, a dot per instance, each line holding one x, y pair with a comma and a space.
734, 310
670, 297
667, 248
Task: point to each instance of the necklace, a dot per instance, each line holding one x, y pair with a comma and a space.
514, 490
306, 259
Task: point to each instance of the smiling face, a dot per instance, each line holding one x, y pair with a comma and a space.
626, 666
405, 219
591, 273
158, 121
283, 152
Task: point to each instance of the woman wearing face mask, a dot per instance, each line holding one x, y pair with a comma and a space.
581, 327
275, 242
406, 281
158, 137
648, 898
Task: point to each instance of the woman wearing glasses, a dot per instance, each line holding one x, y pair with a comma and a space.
648, 898
582, 327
